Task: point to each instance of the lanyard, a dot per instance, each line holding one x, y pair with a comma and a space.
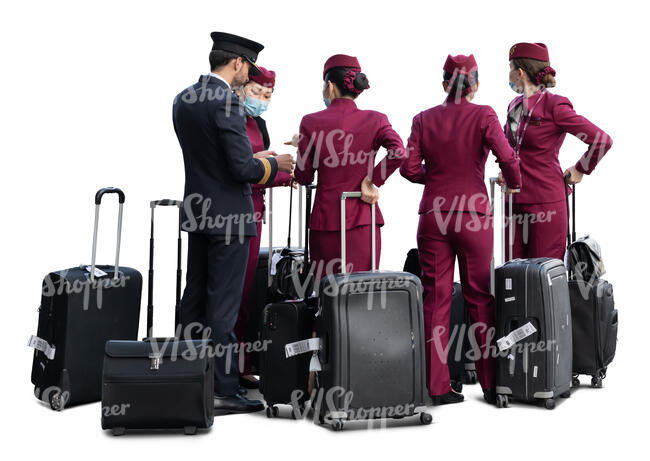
520, 138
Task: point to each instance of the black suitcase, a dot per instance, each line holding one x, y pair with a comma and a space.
79, 312
594, 316
533, 331
372, 339
284, 379
158, 383
462, 370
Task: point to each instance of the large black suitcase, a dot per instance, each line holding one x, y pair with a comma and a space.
594, 316
462, 370
284, 379
533, 330
372, 338
81, 308
158, 383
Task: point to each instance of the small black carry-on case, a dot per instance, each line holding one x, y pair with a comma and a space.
81, 308
462, 370
284, 379
533, 329
595, 318
158, 383
371, 332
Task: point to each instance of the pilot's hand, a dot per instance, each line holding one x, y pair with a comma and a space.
285, 163
265, 154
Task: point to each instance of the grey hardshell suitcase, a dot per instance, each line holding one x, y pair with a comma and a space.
533, 329
372, 343
81, 308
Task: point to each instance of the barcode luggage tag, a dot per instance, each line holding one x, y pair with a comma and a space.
515, 336
41, 345
301, 347
98, 271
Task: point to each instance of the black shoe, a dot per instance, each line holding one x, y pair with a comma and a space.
227, 404
449, 397
248, 384
490, 396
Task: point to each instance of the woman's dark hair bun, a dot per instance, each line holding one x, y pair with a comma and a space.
361, 81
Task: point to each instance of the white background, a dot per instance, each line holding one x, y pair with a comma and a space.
87, 96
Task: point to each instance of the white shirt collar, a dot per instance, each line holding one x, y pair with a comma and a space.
220, 78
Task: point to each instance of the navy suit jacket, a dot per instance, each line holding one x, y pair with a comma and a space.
219, 166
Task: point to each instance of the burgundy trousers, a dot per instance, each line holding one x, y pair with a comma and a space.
539, 230
443, 237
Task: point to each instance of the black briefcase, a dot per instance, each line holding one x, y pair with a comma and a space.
81, 308
158, 383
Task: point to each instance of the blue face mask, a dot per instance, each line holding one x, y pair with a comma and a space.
513, 87
255, 107
327, 101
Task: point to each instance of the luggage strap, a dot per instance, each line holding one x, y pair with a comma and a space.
41, 345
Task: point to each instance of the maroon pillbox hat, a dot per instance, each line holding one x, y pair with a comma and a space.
265, 78
341, 60
461, 64
536, 51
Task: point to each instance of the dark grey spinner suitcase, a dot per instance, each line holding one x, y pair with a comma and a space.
535, 367
79, 312
372, 343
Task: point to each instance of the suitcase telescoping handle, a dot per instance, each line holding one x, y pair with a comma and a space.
373, 243
179, 244
98, 200
511, 235
493, 182
300, 222
571, 212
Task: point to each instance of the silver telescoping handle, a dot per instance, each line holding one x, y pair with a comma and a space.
98, 201
373, 244
270, 224
509, 219
493, 182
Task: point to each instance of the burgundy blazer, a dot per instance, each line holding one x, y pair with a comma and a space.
447, 151
259, 142
341, 143
552, 118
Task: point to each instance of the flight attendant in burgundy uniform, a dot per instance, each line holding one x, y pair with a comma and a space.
341, 143
537, 124
256, 97
448, 148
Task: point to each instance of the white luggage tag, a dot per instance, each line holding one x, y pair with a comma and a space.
515, 336
98, 271
41, 345
301, 347
274, 261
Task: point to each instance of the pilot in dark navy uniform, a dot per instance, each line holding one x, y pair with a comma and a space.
218, 211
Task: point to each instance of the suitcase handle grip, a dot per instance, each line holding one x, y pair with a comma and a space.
165, 202
373, 244
109, 190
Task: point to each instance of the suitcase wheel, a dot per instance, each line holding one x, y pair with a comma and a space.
502, 401
337, 424
566, 395
470, 377
425, 418
272, 411
597, 382
118, 431
575, 382
56, 401
189, 430
549, 404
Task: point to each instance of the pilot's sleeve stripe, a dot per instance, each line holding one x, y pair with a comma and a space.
267, 170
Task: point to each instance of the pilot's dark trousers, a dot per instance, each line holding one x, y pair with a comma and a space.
215, 280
